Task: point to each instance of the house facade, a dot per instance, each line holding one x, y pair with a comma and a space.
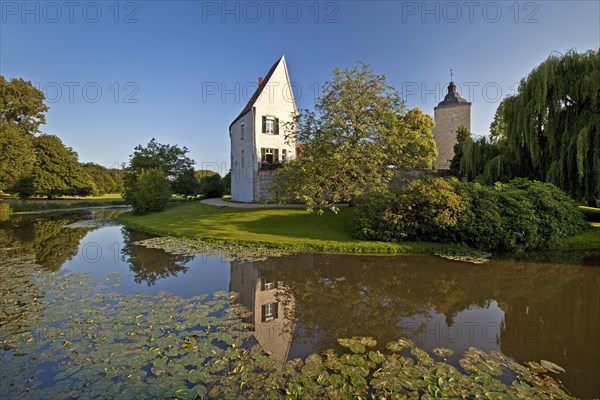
260, 136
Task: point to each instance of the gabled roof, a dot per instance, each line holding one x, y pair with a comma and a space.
257, 93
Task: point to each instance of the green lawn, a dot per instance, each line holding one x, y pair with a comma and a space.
586, 240
42, 203
293, 228
279, 227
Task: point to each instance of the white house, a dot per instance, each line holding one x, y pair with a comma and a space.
258, 136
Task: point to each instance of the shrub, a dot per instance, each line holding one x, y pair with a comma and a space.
480, 224
516, 216
212, 186
424, 210
378, 218
149, 193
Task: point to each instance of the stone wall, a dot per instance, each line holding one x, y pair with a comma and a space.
447, 120
403, 178
263, 180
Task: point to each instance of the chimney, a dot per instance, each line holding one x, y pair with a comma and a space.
260, 81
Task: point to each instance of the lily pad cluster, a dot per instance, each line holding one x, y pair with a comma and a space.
229, 251
470, 256
90, 341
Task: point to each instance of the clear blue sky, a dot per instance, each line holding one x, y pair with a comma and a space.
158, 63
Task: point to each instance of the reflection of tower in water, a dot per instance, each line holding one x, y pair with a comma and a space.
258, 293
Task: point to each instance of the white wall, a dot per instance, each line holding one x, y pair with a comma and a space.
276, 100
242, 176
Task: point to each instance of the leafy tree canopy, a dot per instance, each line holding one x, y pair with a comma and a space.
22, 104
171, 159
57, 171
358, 134
21, 114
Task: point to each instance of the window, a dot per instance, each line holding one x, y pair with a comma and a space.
269, 311
283, 154
269, 156
267, 283
270, 125
242, 131
242, 161
452, 119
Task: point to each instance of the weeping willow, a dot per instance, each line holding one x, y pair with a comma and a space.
550, 129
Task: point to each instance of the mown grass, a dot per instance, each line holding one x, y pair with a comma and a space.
40, 204
294, 229
586, 240
287, 228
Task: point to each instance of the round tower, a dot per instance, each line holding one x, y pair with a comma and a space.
449, 114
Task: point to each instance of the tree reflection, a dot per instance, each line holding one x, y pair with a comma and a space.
45, 238
150, 265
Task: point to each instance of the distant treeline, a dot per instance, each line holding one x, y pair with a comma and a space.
41, 164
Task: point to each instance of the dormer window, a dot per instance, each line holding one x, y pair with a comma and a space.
270, 125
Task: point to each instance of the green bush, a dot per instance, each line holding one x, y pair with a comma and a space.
426, 209
212, 186
386, 226
480, 224
149, 193
516, 216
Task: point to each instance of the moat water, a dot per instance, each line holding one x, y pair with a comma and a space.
528, 310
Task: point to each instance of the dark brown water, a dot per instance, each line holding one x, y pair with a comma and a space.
303, 303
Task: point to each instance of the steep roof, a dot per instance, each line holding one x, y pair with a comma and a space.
257, 93
452, 98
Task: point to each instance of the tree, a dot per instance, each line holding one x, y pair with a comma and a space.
212, 186
171, 159
24, 187
18, 154
357, 136
548, 131
21, 114
57, 171
105, 180
150, 193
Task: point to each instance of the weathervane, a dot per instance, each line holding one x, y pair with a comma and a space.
450, 74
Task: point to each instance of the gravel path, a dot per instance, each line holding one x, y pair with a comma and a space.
223, 203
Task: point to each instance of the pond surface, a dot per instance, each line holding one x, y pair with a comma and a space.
301, 304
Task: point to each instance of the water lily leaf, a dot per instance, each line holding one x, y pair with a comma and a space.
185, 394
376, 357
442, 352
399, 345
550, 366
200, 391
194, 376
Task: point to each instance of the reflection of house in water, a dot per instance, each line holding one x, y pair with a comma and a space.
258, 293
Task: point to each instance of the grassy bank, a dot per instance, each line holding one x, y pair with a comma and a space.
586, 240
39, 204
287, 228
293, 229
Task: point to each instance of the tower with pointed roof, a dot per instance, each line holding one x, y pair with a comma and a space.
450, 113
259, 138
